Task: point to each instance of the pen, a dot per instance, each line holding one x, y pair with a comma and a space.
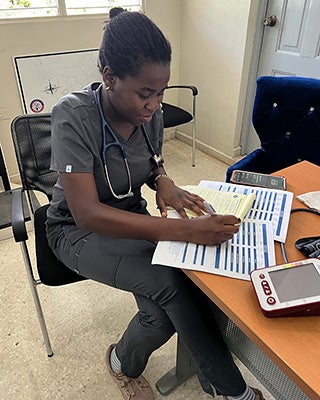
210, 210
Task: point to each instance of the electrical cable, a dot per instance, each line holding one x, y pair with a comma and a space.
310, 210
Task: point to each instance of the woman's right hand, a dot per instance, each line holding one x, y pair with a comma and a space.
212, 229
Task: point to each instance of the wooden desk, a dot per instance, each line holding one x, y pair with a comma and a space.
292, 343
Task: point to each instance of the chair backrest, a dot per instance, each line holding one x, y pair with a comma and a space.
286, 117
31, 136
174, 115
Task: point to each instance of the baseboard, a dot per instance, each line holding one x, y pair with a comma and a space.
169, 133
206, 148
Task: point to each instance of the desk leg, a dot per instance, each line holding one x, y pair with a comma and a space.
183, 370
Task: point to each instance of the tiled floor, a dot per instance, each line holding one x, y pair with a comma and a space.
82, 319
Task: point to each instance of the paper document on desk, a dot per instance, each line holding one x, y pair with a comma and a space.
311, 199
251, 248
270, 205
237, 204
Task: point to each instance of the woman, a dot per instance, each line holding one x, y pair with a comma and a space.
106, 144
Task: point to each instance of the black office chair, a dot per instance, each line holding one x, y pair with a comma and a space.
174, 116
5, 196
31, 136
5, 199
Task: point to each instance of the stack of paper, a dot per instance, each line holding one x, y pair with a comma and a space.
270, 206
265, 214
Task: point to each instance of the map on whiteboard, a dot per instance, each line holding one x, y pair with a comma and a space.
43, 79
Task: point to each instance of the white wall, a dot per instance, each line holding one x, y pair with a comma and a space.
36, 37
167, 15
216, 45
211, 46
48, 35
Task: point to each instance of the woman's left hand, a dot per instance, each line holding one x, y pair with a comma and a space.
168, 194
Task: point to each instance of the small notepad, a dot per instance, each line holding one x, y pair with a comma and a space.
230, 203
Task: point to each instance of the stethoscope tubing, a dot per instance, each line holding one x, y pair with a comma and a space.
104, 126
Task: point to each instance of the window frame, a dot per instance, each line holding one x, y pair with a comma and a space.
62, 13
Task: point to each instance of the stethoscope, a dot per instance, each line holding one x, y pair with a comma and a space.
157, 158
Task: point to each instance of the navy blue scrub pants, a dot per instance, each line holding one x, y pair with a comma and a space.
167, 300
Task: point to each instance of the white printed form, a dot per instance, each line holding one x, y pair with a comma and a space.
270, 206
251, 248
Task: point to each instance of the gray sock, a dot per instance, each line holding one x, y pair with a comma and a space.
114, 361
248, 394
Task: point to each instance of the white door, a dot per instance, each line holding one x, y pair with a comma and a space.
290, 46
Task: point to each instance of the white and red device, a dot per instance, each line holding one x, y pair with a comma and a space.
289, 289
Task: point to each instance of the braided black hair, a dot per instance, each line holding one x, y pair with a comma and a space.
131, 40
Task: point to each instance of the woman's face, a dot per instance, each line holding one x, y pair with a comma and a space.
136, 98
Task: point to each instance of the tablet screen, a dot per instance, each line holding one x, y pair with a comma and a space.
296, 282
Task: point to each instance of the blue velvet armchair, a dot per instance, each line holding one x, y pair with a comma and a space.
286, 117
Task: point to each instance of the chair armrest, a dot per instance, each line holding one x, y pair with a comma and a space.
192, 88
262, 161
17, 216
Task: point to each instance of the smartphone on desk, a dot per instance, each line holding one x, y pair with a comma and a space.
257, 179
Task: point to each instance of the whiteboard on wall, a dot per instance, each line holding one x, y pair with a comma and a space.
44, 78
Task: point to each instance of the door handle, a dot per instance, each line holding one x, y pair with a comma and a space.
270, 21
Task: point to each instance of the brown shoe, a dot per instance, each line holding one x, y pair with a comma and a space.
257, 392
131, 388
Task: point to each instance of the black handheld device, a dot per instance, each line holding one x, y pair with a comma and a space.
258, 179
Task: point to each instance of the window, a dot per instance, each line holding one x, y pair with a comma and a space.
52, 8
